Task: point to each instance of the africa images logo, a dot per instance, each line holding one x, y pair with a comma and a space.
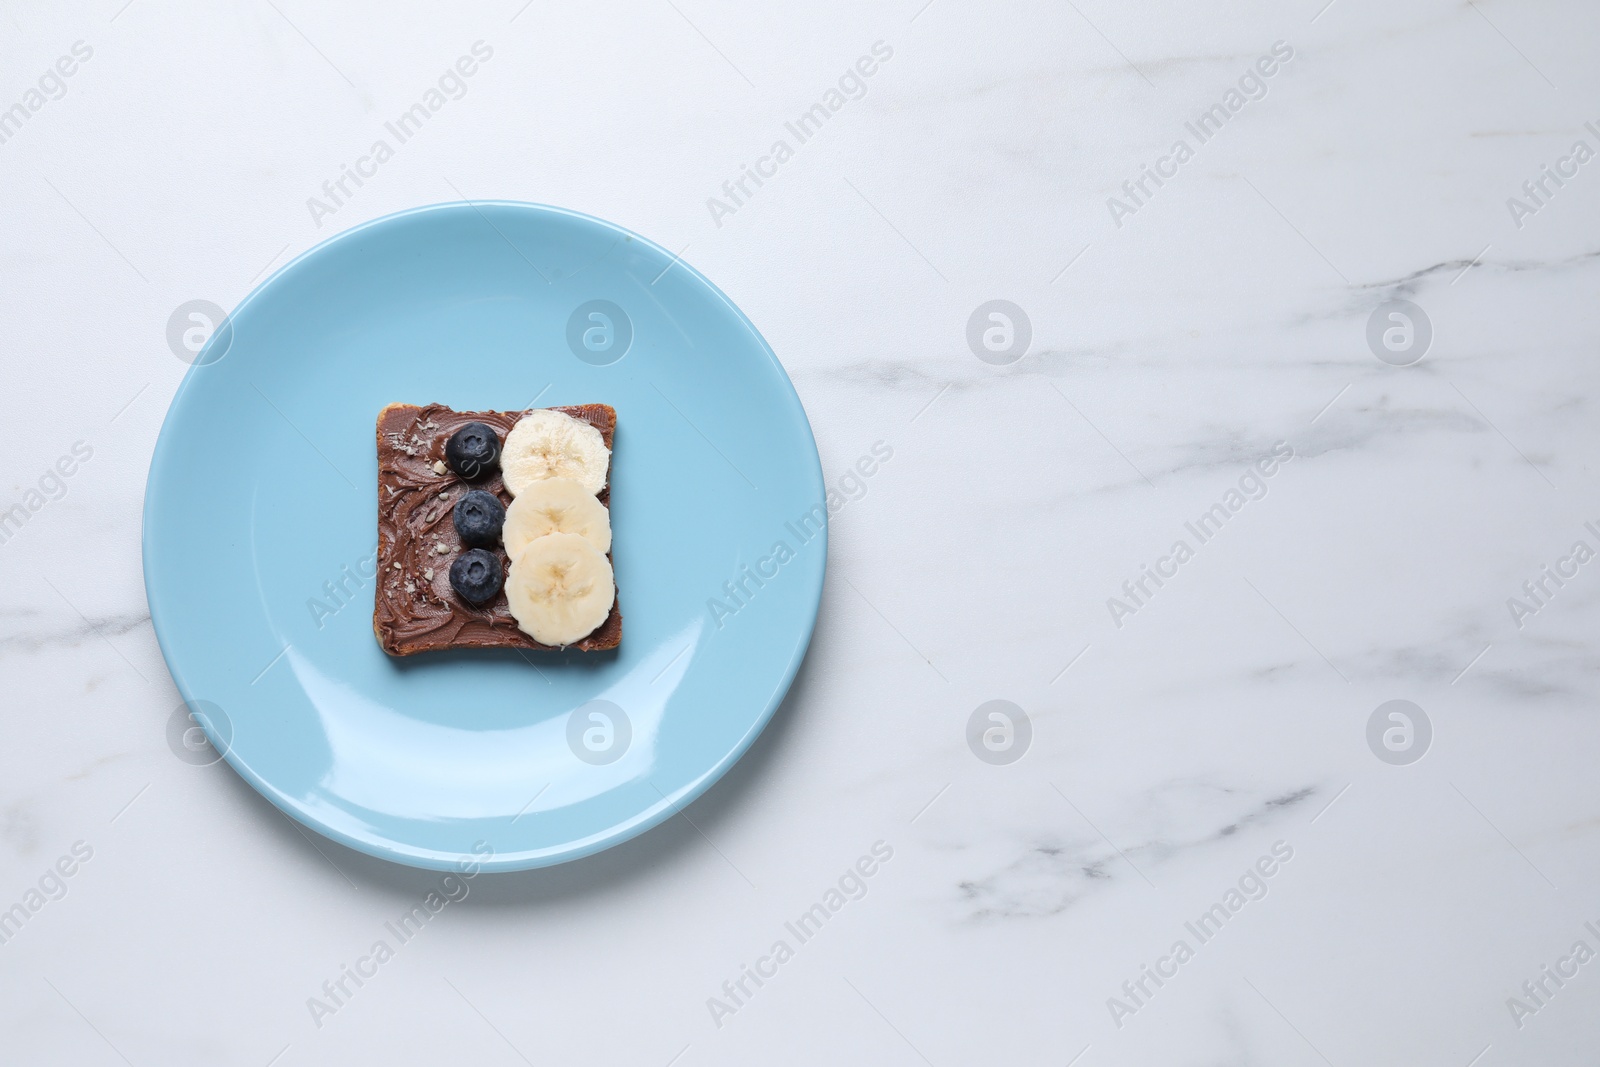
851, 486
1252, 85
852, 885
851, 85
450, 85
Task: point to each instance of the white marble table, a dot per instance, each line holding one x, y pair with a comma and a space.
1197, 767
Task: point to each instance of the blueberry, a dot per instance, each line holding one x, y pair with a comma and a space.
472, 451
478, 518
476, 576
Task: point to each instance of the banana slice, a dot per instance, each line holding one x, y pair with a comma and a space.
551, 444
560, 588
556, 505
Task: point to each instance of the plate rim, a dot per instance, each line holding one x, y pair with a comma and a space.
386, 848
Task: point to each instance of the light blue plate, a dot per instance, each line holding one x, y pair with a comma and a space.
260, 528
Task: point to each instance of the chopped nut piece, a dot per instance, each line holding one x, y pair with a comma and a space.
428, 574
438, 466
443, 551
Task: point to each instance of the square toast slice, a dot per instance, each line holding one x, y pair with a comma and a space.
413, 611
